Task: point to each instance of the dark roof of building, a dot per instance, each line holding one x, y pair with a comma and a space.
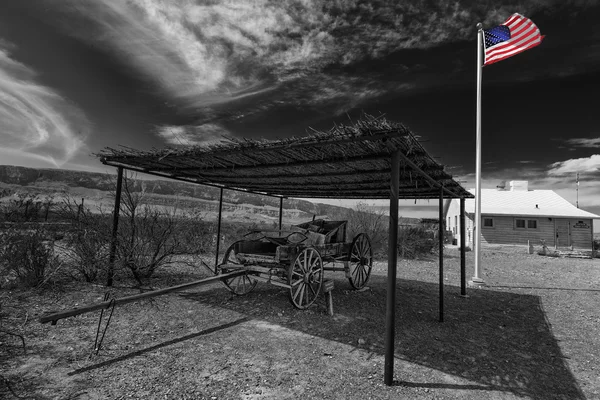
347, 162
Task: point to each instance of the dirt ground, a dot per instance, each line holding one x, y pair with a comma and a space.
531, 333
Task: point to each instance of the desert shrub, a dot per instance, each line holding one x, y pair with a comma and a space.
148, 240
87, 242
361, 219
152, 237
415, 241
27, 257
22, 207
87, 254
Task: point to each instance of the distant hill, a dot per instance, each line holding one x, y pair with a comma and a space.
97, 189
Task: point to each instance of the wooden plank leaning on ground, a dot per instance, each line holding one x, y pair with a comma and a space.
55, 316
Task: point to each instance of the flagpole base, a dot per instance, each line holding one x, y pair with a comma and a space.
476, 282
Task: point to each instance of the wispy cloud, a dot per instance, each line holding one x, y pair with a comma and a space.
584, 142
586, 164
559, 176
34, 119
193, 135
211, 52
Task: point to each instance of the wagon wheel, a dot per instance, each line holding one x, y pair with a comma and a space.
305, 278
361, 261
239, 284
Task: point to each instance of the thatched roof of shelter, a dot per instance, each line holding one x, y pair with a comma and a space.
347, 162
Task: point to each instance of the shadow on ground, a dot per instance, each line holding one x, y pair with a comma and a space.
497, 340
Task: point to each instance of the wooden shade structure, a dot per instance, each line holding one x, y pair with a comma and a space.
372, 158
346, 162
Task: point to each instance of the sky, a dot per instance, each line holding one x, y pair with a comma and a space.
77, 76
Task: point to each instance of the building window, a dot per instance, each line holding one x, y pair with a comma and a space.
488, 222
521, 223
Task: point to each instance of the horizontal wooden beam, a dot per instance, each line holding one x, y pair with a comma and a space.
235, 176
310, 184
188, 179
361, 193
263, 166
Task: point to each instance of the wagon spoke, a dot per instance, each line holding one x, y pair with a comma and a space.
302, 290
312, 290
355, 272
297, 291
315, 266
299, 264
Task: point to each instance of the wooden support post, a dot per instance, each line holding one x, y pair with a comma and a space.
327, 289
463, 274
390, 313
115, 230
280, 213
442, 231
329, 303
219, 230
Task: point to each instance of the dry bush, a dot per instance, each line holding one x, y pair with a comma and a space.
27, 257
152, 237
416, 241
22, 207
87, 242
362, 219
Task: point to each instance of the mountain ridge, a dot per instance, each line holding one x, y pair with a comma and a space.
97, 188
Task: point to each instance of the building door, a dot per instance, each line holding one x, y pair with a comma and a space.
563, 236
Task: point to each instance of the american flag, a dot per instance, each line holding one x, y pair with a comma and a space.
515, 35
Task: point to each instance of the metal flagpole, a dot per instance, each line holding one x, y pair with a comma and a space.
476, 280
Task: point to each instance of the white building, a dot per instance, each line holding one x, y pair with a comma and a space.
517, 215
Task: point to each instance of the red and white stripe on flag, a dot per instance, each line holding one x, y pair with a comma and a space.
524, 34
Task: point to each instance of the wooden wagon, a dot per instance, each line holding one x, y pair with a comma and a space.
297, 258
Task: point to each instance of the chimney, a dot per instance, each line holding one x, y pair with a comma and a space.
519, 186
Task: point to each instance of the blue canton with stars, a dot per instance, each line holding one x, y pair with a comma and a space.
496, 35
